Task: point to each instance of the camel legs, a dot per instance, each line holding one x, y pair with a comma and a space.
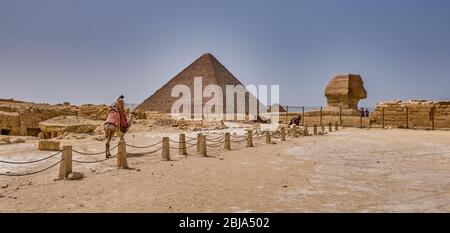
109, 132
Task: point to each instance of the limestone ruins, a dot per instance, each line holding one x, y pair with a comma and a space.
412, 114
28, 119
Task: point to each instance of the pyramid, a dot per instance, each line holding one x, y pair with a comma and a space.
206, 66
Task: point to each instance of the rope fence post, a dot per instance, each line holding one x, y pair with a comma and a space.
322, 127
227, 144
249, 138
336, 126
303, 115
286, 114
203, 151
330, 127
306, 130
182, 145
283, 134
433, 110
267, 134
65, 167
199, 138
320, 115
407, 117
165, 154
122, 159
315, 129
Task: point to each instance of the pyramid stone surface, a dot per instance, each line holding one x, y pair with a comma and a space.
206, 66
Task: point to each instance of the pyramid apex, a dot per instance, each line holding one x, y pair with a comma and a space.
208, 55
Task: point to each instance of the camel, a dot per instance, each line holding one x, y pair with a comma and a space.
114, 123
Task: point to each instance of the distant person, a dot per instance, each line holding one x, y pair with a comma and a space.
367, 112
296, 121
362, 112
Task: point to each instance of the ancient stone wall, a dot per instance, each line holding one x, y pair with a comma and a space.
412, 114
23, 118
94, 112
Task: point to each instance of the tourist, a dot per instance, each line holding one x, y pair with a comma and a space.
295, 121
367, 112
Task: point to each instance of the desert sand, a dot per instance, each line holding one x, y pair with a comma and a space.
350, 170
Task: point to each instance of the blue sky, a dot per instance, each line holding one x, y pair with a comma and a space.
91, 51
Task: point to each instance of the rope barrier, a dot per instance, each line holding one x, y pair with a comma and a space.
215, 140
94, 153
222, 135
31, 173
144, 147
239, 141
94, 161
191, 138
145, 153
34, 161
187, 147
192, 144
215, 145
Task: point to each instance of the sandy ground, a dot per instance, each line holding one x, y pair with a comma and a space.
351, 170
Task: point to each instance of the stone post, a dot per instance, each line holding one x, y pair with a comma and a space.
336, 126
165, 155
65, 167
122, 159
315, 129
249, 138
182, 145
322, 127
227, 144
267, 134
203, 151
283, 134
199, 138
306, 130
330, 127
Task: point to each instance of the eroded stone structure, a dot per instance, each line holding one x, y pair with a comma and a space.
67, 124
19, 118
412, 114
345, 91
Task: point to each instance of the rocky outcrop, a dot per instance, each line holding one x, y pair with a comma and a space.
48, 145
23, 118
67, 124
345, 91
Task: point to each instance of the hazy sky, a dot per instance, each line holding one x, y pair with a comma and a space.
90, 51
